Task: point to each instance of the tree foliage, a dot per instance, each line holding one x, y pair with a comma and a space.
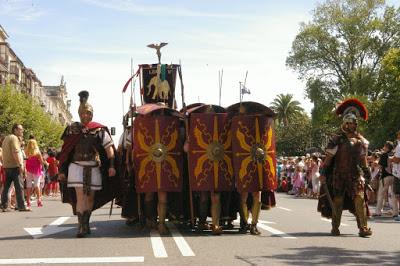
385, 119
16, 107
340, 53
286, 108
295, 138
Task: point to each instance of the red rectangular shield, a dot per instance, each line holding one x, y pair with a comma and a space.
210, 163
253, 152
157, 152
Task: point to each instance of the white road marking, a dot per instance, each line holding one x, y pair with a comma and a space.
60, 221
265, 222
158, 246
71, 260
52, 228
275, 231
285, 209
180, 241
262, 224
237, 221
329, 221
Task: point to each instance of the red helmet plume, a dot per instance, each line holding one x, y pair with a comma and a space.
353, 106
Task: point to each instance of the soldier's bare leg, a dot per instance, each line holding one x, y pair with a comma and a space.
84, 206
149, 210
255, 212
80, 208
244, 213
361, 216
203, 212
162, 212
88, 210
215, 213
337, 215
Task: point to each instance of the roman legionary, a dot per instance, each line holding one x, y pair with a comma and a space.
129, 200
344, 174
87, 162
210, 163
254, 162
157, 158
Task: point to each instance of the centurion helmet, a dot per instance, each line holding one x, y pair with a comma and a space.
351, 109
84, 105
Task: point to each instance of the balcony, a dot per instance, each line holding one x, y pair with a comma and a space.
14, 81
14, 70
3, 63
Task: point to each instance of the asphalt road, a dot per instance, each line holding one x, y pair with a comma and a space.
293, 233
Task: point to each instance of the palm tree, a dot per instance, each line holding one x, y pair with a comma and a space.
286, 108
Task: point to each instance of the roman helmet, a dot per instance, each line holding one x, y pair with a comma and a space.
84, 105
351, 109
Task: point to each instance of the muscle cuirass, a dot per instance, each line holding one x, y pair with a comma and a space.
347, 158
85, 150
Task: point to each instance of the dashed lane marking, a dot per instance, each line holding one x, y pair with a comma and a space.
237, 221
274, 231
52, 228
285, 209
180, 241
71, 260
157, 245
262, 224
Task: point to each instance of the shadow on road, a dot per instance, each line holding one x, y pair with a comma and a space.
325, 256
117, 229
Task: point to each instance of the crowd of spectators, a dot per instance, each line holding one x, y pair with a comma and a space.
299, 176
385, 180
26, 173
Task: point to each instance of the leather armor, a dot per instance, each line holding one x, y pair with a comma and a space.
85, 149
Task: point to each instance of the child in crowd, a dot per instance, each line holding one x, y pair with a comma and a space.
34, 171
375, 177
284, 185
315, 166
298, 181
52, 173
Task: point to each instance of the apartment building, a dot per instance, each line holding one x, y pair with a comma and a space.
53, 99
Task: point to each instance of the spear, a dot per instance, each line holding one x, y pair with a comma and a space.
187, 137
220, 75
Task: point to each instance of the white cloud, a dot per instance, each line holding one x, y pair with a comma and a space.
49, 37
160, 10
21, 9
260, 47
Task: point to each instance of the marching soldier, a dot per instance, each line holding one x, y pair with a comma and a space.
87, 160
210, 163
253, 153
157, 159
344, 174
129, 200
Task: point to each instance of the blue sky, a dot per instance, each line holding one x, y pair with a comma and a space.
91, 43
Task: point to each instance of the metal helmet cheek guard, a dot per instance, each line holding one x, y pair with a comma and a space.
350, 118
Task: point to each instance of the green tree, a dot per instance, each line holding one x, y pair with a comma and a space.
294, 139
286, 108
339, 53
16, 107
384, 119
